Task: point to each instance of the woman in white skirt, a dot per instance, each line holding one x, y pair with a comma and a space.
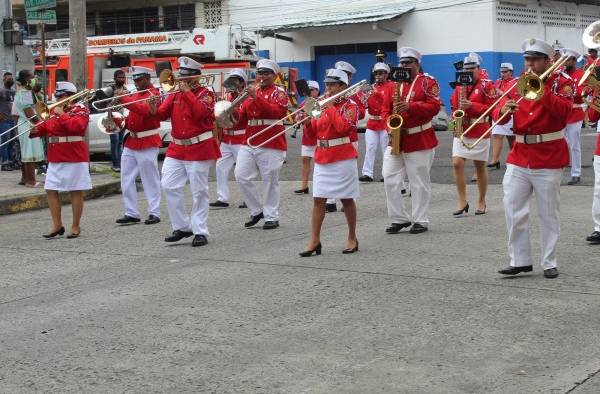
309, 142
336, 172
500, 131
68, 159
474, 100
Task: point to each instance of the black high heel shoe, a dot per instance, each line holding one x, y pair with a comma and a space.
351, 250
301, 191
495, 165
481, 211
461, 211
308, 253
60, 231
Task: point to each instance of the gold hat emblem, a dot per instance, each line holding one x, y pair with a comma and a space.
185, 60
532, 41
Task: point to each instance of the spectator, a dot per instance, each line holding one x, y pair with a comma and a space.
7, 97
116, 139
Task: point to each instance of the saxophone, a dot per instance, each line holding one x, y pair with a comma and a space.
395, 120
459, 114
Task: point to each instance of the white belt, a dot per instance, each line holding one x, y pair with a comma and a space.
261, 122
194, 140
333, 142
536, 139
234, 132
417, 129
142, 134
54, 140
577, 106
374, 117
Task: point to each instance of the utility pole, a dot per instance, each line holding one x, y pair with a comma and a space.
78, 44
7, 52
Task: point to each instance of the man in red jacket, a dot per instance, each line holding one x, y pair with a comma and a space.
575, 120
419, 103
536, 161
191, 152
140, 152
266, 107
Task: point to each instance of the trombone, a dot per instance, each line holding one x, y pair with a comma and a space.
43, 111
313, 109
530, 87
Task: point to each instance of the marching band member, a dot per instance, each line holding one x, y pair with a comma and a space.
592, 56
419, 103
506, 81
594, 238
535, 163
190, 154
140, 152
575, 120
336, 172
309, 142
232, 140
267, 105
376, 134
475, 100
68, 158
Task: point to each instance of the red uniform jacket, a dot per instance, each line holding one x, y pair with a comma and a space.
594, 116
577, 113
337, 121
270, 103
503, 85
140, 119
481, 95
546, 115
192, 114
423, 105
240, 125
377, 104
73, 122
308, 134
361, 100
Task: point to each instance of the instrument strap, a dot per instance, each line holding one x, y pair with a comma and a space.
412, 85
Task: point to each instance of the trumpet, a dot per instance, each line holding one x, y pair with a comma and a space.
313, 109
530, 87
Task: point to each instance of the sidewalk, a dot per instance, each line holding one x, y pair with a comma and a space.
16, 198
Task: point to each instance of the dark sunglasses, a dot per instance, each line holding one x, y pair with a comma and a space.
406, 62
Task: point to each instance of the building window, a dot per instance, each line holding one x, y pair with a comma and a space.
141, 20
180, 17
212, 14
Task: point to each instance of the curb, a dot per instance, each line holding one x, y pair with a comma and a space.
27, 203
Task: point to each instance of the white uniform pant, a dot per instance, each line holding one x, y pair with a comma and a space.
143, 163
175, 174
596, 202
267, 163
417, 165
228, 158
573, 136
372, 140
519, 185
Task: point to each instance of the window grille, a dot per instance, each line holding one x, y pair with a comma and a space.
213, 16
556, 18
509, 13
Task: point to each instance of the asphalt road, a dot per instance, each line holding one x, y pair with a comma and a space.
118, 310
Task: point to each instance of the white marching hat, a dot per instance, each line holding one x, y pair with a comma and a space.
237, 72
408, 52
313, 84
570, 53
336, 75
506, 66
537, 47
63, 87
381, 66
267, 64
188, 64
472, 59
139, 72
345, 66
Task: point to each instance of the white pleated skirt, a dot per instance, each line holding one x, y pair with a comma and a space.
66, 177
480, 152
336, 180
307, 151
503, 129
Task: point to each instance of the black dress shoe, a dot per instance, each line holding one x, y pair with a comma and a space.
515, 270
461, 211
253, 220
365, 178
270, 224
308, 253
301, 191
396, 227
418, 228
551, 273
60, 231
152, 220
382, 180
574, 180
351, 250
495, 165
128, 219
331, 207
242, 205
481, 211
594, 237
218, 204
199, 240
178, 235
403, 191
73, 235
